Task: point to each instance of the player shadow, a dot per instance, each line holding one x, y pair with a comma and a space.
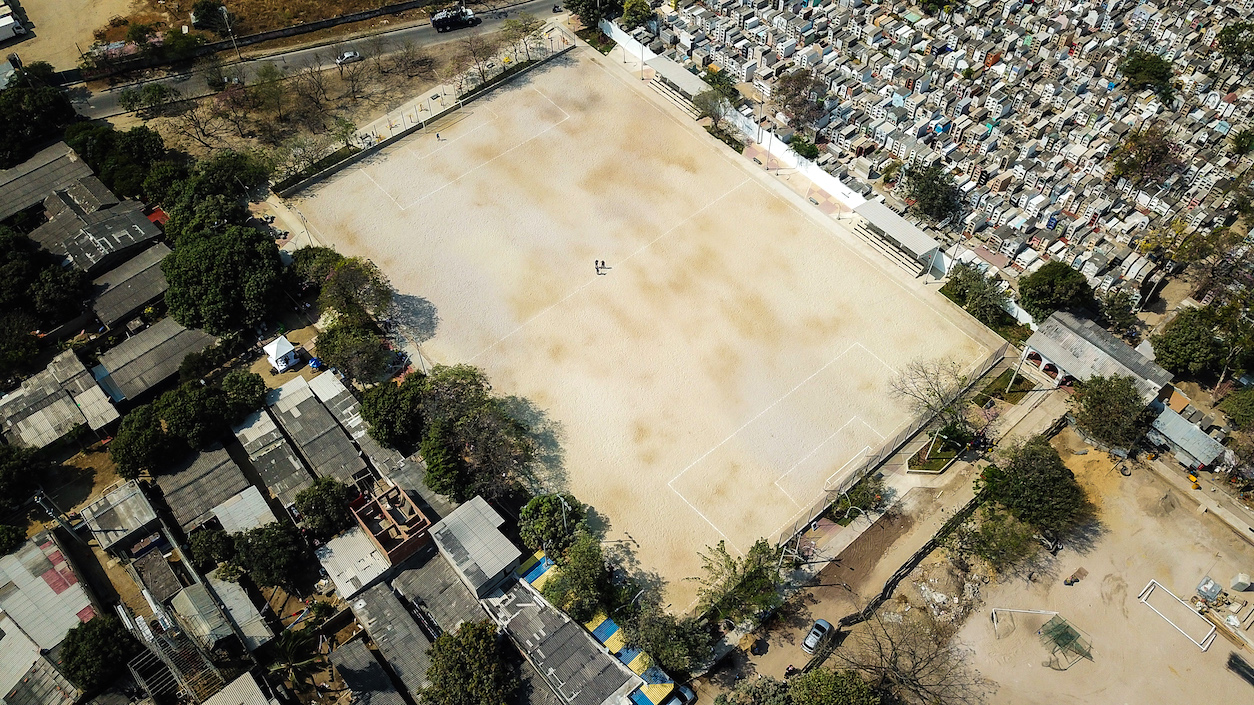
547, 470
417, 316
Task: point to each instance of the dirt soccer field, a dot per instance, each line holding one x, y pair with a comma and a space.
733, 359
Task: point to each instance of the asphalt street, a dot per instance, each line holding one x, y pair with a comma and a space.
106, 103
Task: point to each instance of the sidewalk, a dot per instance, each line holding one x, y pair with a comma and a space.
1210, 498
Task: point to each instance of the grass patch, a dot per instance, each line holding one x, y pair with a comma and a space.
868, 495
597, 38
941, 455
1005, 326
997, 389
335, 157
726, 138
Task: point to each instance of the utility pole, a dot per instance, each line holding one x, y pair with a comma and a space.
226, 17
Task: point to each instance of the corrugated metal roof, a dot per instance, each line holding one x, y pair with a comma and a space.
578, 669
346, 409
148, 358
352, 561
198, 483
200, 615
41, 592
363, 675
899, 229
241, 691
28, 183
243, 511
472, 541
281, 470
1083, 350
129, 287
26, 676
241, 610
1191, 439
401, 643
430, 580
315, 433
119, 514
52, 402
157, 576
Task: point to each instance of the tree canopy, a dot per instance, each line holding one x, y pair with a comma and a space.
982, 296
1034, 485
582, 581
680, 645
1054, 287
799, 96
635, 14
140, 443
1111, 410
1143, 69
224, 282
995, 537
35, 292
32, 113
20, 469
125, 159
355, 347
736, 589
1236, 43
356, 288
551, 522
324, 507
273, 554
821, 686
211, 548
1145, 156
470, 667
96, 652
1239, 406
394, 412
590, 12
933, 192
1187, 345
712, 104
311, 266
11, 537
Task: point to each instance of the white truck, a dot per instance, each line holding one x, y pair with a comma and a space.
10, 26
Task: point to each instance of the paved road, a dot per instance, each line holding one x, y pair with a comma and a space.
105, 103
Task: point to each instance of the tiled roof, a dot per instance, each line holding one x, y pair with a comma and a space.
401, 643
346, 409
31, 181
198, 483
352, 561
157, 576
148, 358
429, 580
244, 511
129, 287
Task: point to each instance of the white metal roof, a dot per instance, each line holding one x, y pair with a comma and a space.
241, 691
353, 561
41, 592
471, 539
243, 511
894, 226
678, 75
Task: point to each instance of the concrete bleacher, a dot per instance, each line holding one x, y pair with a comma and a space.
675, 97
894, 253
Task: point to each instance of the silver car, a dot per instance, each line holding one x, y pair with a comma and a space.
682, 695
821, 629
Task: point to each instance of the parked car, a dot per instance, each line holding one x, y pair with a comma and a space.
821, 629
682, 695
348, 57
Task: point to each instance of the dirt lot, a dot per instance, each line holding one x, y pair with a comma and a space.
59, 28
1147, 531
731, 360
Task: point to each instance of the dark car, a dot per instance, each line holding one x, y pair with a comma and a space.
821, 629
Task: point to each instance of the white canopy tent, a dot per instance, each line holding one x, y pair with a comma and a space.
281, 352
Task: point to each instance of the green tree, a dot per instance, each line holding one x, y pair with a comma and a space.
1236, 43
324, 507
712, 104
821, 686
211, 548
311, 266
1111, 410
31, 114
498, 449
723, 83
799, 96
982, 296
680, 645
18, 344
272, 554
356, 288
57, 293
1034, 485
995, 537
269, 90
757, 691
394, 412
582, 580
223, 283
20, 469
470, 667
738, 588
635, 14
1143, 69
1145, 156
1243, 141
551, 522
96, 652
804, 147
245, 392
1239, 406
1117, 311
11, 538
140, 443
354, 347
1054, 287
123, 160
208, 14
452, 393
196, 414
34, 284
934, 193
447, 472
1187, 345
590, 12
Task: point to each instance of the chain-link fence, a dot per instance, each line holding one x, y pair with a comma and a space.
889, 448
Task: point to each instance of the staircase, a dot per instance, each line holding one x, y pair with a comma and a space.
675, 97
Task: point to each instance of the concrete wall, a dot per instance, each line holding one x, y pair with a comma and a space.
625, 40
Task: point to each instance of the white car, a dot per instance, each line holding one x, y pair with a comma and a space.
348, 57
817, 634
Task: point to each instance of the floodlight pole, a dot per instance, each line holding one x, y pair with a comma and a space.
226, 17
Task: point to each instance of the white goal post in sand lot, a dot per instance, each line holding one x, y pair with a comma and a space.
1205, 643
996, 624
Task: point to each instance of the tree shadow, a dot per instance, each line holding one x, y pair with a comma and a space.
731, 669
416, 315
1085, 537
548, 467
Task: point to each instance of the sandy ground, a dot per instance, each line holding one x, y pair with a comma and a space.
1148, 530
58, 25
731, 361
